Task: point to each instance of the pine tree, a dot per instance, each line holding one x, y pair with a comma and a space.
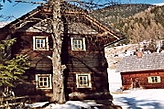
11, 69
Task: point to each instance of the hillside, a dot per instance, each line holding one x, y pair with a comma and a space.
137, 21
146, 25
114, 13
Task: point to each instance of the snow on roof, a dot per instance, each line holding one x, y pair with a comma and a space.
2, 24
153, 61
159, 4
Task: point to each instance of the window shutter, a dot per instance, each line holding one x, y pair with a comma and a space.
84, 45
149, 80
159, 79
47, 43
34, 43
72, 46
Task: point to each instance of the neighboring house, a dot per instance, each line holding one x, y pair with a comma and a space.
82, 52
114, 55
142, 71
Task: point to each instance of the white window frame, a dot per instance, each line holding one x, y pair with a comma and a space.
85, 82
78, 44
45, 45
154, 79
45, 84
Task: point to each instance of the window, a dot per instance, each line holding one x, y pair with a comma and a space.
43, 81
78, 44
83, 80
154, 79
40, 43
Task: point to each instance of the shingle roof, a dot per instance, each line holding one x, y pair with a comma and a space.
154, 61
42, 12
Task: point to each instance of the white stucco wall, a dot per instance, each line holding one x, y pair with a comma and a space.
114, 80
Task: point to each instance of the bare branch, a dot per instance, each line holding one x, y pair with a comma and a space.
49, 57
32, 2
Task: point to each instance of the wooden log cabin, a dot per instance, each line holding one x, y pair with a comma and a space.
142, 71
83, 44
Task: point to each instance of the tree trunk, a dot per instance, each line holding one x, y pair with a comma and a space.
58, 76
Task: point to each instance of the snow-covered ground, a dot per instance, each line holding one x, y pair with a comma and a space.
67, 105
130, 99
140, 99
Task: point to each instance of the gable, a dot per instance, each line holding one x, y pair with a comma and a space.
73, 28
78, 23
37, 27
80, 28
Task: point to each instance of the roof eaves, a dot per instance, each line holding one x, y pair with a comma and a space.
118, 40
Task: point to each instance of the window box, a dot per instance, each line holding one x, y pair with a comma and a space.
154, 79
78, 44
40, 43
43, 81
83, 80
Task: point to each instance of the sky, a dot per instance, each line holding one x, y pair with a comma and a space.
16, 10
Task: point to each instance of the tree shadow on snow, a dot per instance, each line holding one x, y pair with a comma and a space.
138, 104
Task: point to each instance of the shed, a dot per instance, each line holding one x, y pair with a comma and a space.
142, 71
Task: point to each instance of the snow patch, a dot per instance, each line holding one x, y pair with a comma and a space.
159, 4
67, 105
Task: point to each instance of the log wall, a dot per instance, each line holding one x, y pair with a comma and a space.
143, 79
90, 61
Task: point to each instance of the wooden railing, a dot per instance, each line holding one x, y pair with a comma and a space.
7, 102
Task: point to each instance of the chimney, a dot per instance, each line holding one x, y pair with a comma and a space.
139, 54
